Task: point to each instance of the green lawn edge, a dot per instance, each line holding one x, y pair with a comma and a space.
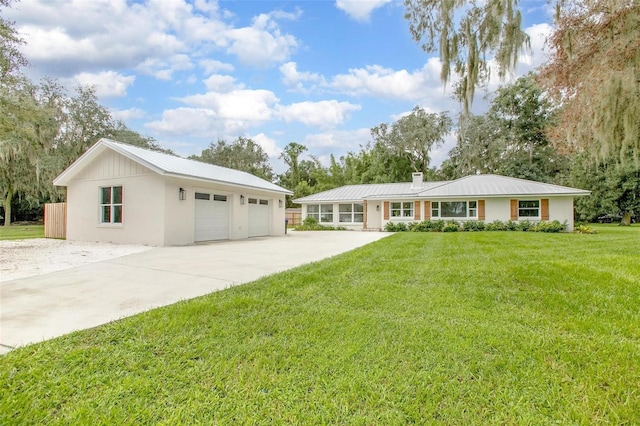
460, 328
21, 232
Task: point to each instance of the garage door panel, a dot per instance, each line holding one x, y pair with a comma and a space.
259, 217
211, 217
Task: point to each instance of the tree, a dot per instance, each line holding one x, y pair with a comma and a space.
594, 74
615, 188
11, 59
510, 138
243, 154
291, 177
29, 125
414, 136
464, 32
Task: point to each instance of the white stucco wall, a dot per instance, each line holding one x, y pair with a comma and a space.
153, 214
561, 209
498, 208
142, 211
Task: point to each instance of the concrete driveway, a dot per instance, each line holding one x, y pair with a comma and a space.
46, 306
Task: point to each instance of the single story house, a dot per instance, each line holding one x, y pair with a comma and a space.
129, 195
476, 197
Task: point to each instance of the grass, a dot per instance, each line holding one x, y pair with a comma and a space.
422, 328
20, 232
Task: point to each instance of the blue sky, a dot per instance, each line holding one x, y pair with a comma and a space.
190, 72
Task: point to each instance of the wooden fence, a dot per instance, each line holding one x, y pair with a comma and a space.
55, 220
293, 216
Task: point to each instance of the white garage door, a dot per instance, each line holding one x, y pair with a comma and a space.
211, 217
259, 217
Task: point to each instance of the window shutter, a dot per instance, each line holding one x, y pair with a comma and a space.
480, 209
416, 210
386, 210
544, 209
427, 210
514, 209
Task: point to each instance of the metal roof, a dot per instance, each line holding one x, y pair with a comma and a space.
365, 191
496, 186
469, 186
169, 165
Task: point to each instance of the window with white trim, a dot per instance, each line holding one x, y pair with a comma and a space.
111, 204
323, 213
528, 208
402, 209
351, 213
454, 209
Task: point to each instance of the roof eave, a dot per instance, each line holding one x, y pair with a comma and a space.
222, 182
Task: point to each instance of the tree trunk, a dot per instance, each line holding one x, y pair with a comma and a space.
626, 219
7, 208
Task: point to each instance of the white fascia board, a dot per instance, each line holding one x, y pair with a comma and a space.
222, 182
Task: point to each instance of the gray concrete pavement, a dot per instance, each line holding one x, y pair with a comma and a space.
46, 306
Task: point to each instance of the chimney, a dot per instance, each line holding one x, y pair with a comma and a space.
417, 180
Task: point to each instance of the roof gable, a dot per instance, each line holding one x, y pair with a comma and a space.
168, 165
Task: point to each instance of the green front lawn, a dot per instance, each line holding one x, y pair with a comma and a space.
453, 328
20, 232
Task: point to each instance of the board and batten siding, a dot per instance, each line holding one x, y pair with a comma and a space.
110, 164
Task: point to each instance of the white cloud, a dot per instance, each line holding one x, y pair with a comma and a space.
296, 79
327, 114
106, 83
222, 83
360, 10
152, 36
261, 44
211, 66
251, 107
538, 34
337, 141
164, 69
377, 81
128, 114
270, 146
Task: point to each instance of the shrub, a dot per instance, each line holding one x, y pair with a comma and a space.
395, 227
496, 225
585, 229
437, 225
525, 225
553, 226
511, 225
473, 225
311, 224
451, 226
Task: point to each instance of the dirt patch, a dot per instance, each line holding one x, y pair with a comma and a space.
26, 258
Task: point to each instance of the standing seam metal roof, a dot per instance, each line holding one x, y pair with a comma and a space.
167, 164
469, 186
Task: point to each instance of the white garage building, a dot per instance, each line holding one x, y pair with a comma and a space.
125, 194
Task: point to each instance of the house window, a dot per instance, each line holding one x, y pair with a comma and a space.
529, 208
323, 213
111, 204
253, 201
435, 209
454, 209
351, 213
403, 209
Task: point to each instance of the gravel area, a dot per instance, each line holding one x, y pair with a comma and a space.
26, 258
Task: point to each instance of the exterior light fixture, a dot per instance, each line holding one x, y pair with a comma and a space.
378, 208
280, 203
242, 199
182, 194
